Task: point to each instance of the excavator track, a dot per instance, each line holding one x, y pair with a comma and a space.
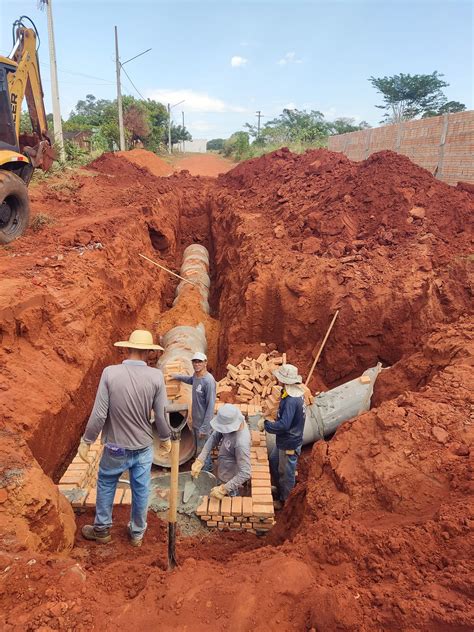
14, 207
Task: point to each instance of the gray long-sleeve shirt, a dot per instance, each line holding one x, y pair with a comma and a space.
204, 399
233, 461
127, 394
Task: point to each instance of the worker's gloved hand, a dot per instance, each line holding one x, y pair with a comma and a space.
219, 492
196, 468
164, 448
83, 451
261, 424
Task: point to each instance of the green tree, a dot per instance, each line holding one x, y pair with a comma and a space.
407, 96
237, 145
343, 125
216, 144
449, 106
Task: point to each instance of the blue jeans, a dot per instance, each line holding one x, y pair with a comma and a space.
282, 470
111, 467
207, 467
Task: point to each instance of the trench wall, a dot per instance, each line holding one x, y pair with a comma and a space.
444, 145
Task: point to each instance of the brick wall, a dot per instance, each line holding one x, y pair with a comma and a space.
442, 144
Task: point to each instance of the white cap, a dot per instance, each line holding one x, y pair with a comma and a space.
199, 356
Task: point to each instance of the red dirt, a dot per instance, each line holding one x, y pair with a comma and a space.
143, 158
376, 534
203, 164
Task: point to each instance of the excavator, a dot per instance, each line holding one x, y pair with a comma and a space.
21, 154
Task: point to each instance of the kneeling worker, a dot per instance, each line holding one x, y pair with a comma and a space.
288, 428
233, 462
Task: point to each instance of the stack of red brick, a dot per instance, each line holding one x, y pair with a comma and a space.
79, 481
253, 513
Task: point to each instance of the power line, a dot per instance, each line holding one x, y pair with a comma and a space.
138, 91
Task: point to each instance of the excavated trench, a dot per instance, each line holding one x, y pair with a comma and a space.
291, 239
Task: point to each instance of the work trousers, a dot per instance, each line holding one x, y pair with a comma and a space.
207, 467
111, 467
283, 469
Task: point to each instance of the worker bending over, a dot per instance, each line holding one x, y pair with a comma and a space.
127, 394
288, 428
233, 461
203, 401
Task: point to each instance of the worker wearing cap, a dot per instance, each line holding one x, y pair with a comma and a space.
127, 394
288, 428
231, 434
203, 401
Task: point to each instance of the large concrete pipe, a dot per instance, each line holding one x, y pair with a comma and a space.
180, 343
332, 408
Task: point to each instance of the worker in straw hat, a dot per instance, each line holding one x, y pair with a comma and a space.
231, 434
127, 394
288, 428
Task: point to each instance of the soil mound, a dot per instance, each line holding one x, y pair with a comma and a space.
144, 158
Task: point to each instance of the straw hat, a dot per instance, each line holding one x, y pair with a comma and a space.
287, 374
228, 419
139, 339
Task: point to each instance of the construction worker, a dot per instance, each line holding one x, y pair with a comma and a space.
233, 462
204, 399
127, 394
288, 428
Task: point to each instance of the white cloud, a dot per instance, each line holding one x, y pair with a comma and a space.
193, 101
289, 58
200, 126
237, 61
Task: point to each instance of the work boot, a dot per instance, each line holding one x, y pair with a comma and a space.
89, 532
278, 504
136, 541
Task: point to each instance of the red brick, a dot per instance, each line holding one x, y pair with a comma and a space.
127, 497
91, 498
214, 506
247, 506
264, 511
260, 499
212, 523
260, 476
228, 518
202, 509
226, 506
118, 496
237, 505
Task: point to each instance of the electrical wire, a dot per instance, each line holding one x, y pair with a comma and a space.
137, 90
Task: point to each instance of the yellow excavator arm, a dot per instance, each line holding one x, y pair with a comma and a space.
20, 154
25, 82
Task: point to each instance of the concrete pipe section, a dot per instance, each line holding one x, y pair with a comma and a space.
332, 408
180, 343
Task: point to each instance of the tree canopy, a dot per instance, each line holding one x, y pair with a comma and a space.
144, 120
407, 96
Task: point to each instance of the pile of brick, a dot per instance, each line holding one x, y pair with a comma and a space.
252, 382
252, 513
173, 387
79, 481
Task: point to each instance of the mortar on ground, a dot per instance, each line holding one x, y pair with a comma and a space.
159, 494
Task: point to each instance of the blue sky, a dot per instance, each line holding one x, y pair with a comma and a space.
229, 58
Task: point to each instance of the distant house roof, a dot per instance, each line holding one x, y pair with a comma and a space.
71, 135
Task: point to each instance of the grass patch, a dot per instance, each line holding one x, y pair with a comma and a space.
41, 221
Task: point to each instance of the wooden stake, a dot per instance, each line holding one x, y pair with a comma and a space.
167, 270
321, 347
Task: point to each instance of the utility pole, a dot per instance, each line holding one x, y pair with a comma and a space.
169, 128
259, 116
58, 127
119, 94
183, 133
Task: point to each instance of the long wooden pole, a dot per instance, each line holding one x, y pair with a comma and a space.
172, 514
321, 348
167, 270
